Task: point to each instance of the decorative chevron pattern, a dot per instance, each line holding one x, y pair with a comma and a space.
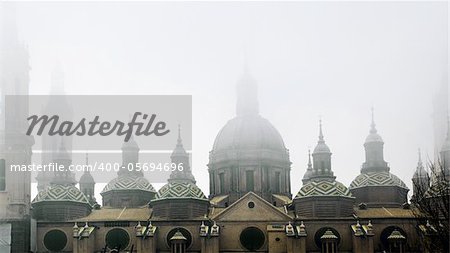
61, 193
180, 190
383, 178
324, 188
126, 182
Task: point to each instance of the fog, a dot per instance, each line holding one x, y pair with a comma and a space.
332, 60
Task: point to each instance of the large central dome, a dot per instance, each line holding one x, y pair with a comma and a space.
250, 132
248, 154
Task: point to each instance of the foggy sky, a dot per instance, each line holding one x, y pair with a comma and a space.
331, 59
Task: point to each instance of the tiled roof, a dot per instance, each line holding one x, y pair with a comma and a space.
174, 190
128, 182
382, 178
324, 188
61, 193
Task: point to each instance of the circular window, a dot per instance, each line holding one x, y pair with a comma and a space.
322, 231
117, 238
55, 240
184, 232
252, 238
251, 204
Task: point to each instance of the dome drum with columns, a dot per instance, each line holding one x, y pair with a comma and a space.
129, 188
248, 153
321, 195
61, 200
376, 186
180, 198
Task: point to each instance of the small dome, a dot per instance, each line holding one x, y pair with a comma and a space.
307, 174
128, 182
321, 147
323, 188
374, 137
61, 193
176, 190
250, 132
87, 178
383, 178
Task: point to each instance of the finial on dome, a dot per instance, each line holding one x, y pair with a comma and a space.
309, 159
179, 134
247, 95
372, 125
320, 129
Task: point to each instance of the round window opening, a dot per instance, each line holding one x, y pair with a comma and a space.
184, 232
251, 204
55, 240
252, 238
117, 238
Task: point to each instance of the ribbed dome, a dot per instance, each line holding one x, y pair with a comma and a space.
128, 182
61, 193
382, 178
177, 190
248, 133
324, 188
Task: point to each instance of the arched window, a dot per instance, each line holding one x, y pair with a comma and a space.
393, 239
179, 239
2, 175
327, 239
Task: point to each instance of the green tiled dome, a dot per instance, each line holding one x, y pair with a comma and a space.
128, 182
180, 190
383, 178
61, 193
324, 188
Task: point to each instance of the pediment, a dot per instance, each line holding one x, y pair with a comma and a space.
252, 207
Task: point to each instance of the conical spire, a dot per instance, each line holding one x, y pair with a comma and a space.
321, 147
181, 158
420, 170
87, 178
309, 170
373, 130
320, 131
322, 158
374, 150
373, 133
